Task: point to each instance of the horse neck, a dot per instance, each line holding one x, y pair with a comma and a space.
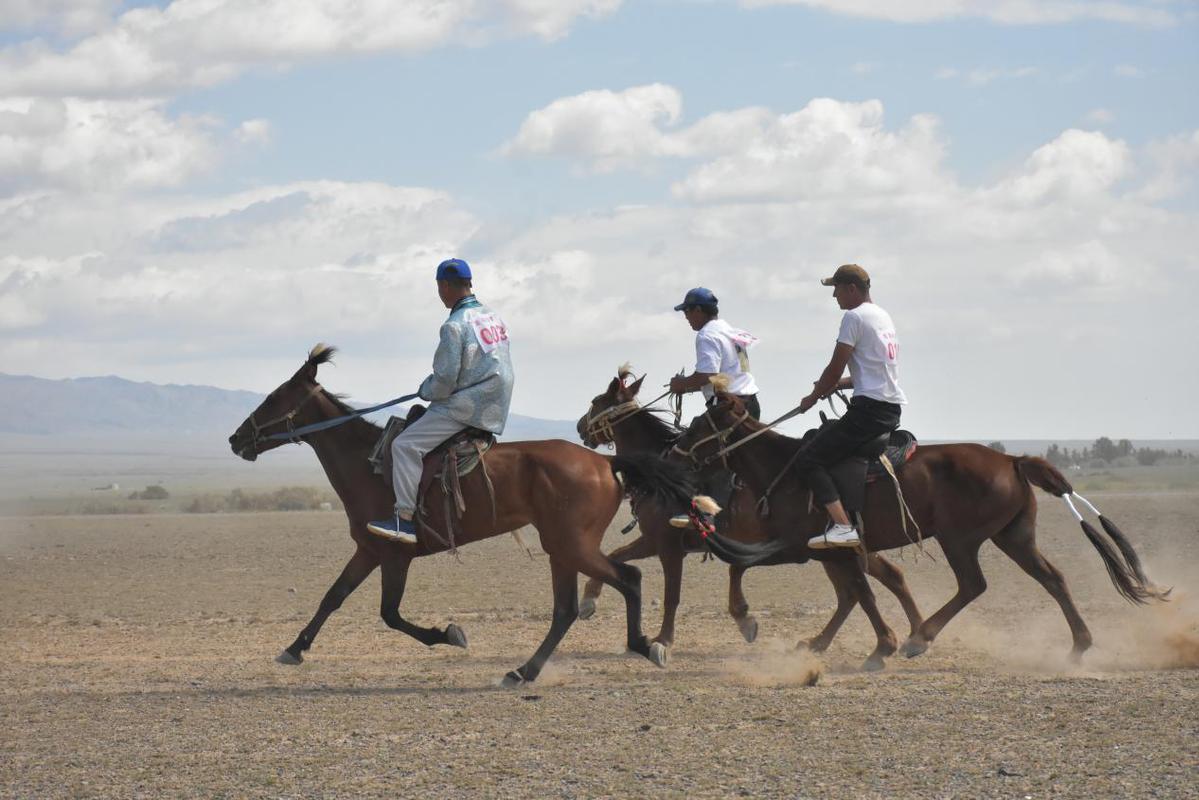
343, 455
760, 462
637, 434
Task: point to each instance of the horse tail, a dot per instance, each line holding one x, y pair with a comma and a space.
676, 486
1122, 562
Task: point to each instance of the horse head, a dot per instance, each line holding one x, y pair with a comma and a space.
595, 426
284, 409
708, 433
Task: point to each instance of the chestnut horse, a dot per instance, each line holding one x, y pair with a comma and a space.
616, 418
960, 494
568, 493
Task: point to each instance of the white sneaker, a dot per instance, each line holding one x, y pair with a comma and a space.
836, 536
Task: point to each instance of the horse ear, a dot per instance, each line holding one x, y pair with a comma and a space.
320, 354
614, 387
635, 387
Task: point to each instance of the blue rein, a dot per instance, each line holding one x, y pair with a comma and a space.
293, 434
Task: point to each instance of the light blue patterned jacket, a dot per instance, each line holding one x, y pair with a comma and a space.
472, 369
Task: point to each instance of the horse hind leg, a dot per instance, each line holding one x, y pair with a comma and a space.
361, 564
395, 577
566, 610
1018, 542
963, 560
641, 547
846, 599
739, 606
626, 579
891, 576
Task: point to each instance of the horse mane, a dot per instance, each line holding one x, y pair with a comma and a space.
660, 427
321, 353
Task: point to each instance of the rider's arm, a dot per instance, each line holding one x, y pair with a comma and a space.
707, 364
830, 377
680, 384
447, 363
845, 383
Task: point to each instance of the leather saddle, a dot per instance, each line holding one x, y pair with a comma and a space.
476, 441
865, 466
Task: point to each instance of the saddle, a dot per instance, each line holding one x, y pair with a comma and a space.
464, 451
853, 474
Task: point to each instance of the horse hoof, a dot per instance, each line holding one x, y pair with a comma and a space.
812, 646
659, 654
874, 664
513, 680
287, 658
587, 608
913, 647
749, 628
455, 636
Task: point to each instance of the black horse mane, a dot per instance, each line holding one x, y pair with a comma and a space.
660, 427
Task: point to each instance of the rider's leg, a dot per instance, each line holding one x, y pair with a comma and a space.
408, 452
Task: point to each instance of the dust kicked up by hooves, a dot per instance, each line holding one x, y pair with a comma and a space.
773, 663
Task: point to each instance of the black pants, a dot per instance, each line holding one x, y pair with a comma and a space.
865, 420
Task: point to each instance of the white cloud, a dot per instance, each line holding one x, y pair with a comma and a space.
152, 50
99, 144
1078, 167
1007, 12
608, 129
68, 17
983, 76
254, 131
1100, 116
1128, 71
828, 147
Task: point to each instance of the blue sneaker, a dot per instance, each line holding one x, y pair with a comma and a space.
397, 529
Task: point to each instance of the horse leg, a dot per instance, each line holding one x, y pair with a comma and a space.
671, 555
395, 577
886, 643
626, 579
739, 606
1018, 541
846, 599
891, 576
641, 547
963, 560
566, 610
361, 564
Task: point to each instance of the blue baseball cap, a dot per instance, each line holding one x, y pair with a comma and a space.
699, 296
452, 268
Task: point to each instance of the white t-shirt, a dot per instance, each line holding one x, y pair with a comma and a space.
721, 348
873, 366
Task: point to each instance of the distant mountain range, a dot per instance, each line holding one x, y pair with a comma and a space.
104, 406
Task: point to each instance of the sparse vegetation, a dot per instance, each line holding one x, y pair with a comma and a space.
288, 498
152, 492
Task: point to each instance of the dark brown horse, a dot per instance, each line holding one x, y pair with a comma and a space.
615, 417
568, 493
961, 494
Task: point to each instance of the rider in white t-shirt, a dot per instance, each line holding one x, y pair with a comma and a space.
868, 346
720, 349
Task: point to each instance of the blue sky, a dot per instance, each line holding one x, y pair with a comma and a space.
197, 191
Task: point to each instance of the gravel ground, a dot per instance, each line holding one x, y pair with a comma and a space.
136, 661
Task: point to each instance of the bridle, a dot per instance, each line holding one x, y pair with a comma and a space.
719, 434
288, 419
602, 422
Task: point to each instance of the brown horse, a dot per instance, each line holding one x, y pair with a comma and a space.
961, 494
568, 493
616, 418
